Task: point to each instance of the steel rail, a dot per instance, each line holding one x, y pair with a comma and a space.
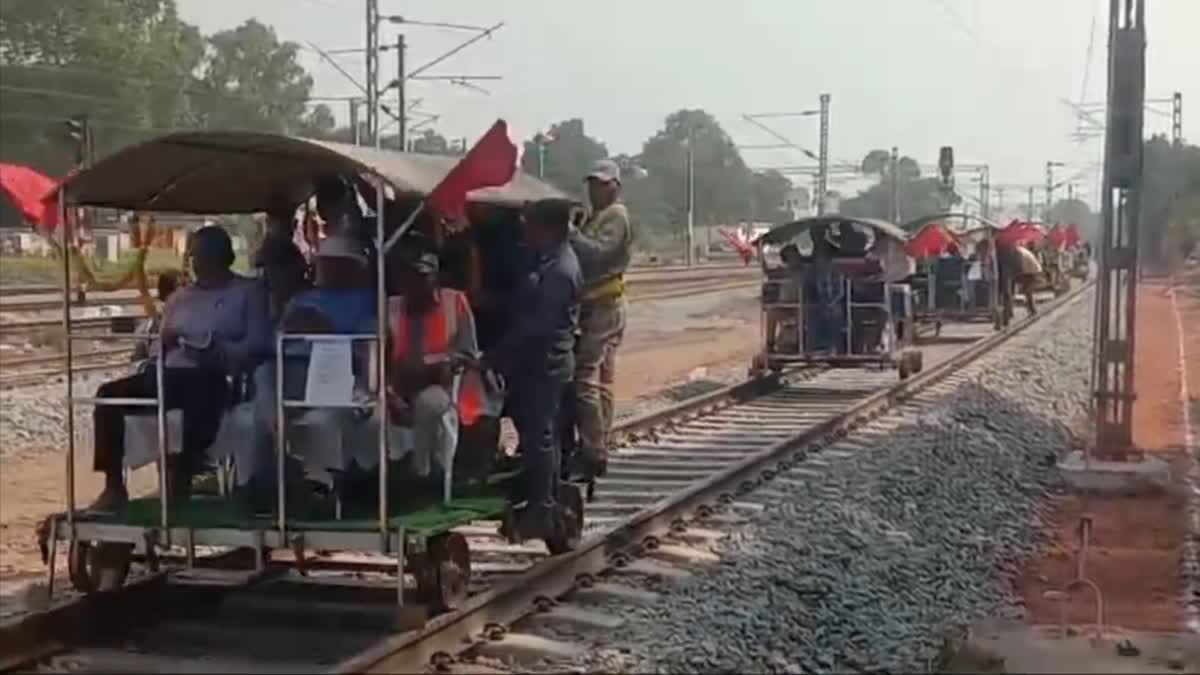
490, 612
505, 599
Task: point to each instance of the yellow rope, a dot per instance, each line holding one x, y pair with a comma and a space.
133, 276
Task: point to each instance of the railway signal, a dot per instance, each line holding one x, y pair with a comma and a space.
80, 130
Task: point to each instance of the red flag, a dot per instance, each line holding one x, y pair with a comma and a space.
491, 162
744, 250
35, 195
931, 241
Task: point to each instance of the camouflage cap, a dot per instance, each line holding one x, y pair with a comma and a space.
605, 170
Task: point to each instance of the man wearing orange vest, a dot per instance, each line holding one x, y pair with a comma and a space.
432, 330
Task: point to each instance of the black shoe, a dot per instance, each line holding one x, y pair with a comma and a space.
112, 499
533, 521
586, 468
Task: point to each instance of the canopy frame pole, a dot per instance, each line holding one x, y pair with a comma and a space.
68, 357
381, 331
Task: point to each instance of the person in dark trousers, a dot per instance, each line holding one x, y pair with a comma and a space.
536, 357
211, 329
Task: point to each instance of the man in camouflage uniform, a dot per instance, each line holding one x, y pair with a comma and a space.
603, 245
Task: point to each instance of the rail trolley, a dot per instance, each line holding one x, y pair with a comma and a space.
1055, 263
956, 279
868, 320
405, 530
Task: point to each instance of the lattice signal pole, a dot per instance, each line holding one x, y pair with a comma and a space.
1116, 294
1177, 119
372, 82
823, 156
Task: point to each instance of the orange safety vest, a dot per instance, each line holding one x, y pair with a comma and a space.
439, 329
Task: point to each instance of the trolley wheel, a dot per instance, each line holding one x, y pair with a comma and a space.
444, 574
571, 502
99, 567
903, 368
937, 329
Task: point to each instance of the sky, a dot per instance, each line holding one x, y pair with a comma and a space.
988, 77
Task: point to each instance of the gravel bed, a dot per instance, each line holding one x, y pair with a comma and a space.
701, 381
34, 419
910, 538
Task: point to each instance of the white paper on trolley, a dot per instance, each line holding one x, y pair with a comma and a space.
330, 377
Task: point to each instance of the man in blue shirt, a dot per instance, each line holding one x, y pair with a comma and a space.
341, 303
536, 357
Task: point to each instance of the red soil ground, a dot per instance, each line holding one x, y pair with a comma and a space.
1136, 545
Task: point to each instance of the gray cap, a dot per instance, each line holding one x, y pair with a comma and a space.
605, 170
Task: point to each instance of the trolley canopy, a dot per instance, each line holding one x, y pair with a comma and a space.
1020, 233
976, 222
211, 172
1064, 236
785, 233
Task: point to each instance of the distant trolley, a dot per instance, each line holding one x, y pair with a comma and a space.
851, 309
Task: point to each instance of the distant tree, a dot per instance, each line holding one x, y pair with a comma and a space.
879, 163
251, 80
566, 155
431, 142
769, 194
127, 65
319, 123
921, 197
1170, 185
1075, 211
721, 178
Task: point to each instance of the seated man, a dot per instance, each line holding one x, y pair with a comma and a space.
432, 331
210, 330
341, 303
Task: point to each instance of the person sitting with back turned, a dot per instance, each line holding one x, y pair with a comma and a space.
211, 329
536, 357
146, 353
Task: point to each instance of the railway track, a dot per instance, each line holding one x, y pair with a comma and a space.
14, 373
36, 298
638, 291
693, 463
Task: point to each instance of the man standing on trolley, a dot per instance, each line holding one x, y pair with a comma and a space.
604, 246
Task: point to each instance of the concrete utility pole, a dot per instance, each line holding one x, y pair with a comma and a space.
354, 130
691, 197
1113, 345
823, 156
894, 171
1050, 189
985, 191
402, 108
372, 77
